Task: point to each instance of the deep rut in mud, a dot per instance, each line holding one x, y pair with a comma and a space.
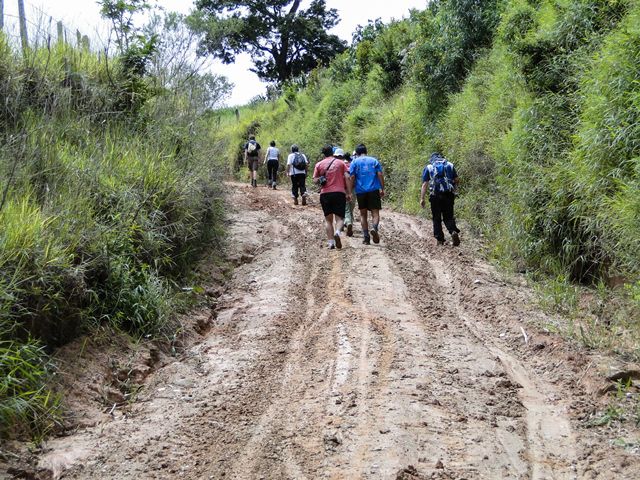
399, 360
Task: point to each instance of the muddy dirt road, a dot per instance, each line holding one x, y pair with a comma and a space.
399, 360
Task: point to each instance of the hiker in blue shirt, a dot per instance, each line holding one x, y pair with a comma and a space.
367, 180
441, 179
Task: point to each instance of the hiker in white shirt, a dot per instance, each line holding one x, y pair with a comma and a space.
272, 160
297, 165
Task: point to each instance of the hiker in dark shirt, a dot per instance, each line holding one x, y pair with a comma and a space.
440, 178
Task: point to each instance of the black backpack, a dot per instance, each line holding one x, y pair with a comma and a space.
252, 148
299, 163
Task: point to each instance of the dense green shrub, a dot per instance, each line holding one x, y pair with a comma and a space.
110, 192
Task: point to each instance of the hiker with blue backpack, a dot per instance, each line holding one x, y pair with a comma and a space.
441, 179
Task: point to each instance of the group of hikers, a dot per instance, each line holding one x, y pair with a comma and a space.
340, 175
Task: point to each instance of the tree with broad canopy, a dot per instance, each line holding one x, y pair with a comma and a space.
283, 39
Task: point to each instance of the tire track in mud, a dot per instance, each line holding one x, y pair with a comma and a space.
346, 364
551, 451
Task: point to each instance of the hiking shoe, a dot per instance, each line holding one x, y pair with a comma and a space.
274, 185
366, 241
440, 242
295, 200
255, 183
349, 230
375, 236
332, 247
456, 239
336, 237
304, 200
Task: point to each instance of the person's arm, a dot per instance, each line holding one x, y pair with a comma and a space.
347, 183
266, 155
425, 185
381, 178
423, 192
316, 173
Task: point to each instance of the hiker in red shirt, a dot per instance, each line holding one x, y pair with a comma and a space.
335, 190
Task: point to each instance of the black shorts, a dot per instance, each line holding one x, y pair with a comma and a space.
369, 200
333, 203
252, 163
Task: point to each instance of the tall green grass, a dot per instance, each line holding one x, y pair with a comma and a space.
102, 211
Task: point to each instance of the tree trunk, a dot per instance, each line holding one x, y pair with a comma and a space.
60, 33
23, 26
1, 14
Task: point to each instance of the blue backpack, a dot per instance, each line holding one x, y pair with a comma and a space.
440, 181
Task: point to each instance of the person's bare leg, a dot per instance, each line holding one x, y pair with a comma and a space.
375, 219
364, 223
336, 236
328, 226
364, 220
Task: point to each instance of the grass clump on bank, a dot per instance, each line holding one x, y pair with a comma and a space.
110, 193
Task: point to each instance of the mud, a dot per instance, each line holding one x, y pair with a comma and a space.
403, 360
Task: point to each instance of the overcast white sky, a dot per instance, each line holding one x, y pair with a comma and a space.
84, 15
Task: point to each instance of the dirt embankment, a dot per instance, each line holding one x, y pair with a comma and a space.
399, 360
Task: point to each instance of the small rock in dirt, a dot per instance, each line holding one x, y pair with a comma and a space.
626, 376
332, 440
505, 383
384, 431
440, 465
409, 473
214, 292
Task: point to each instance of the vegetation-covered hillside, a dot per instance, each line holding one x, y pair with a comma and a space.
535, 101
108, 195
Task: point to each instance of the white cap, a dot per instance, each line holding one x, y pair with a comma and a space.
338, 153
